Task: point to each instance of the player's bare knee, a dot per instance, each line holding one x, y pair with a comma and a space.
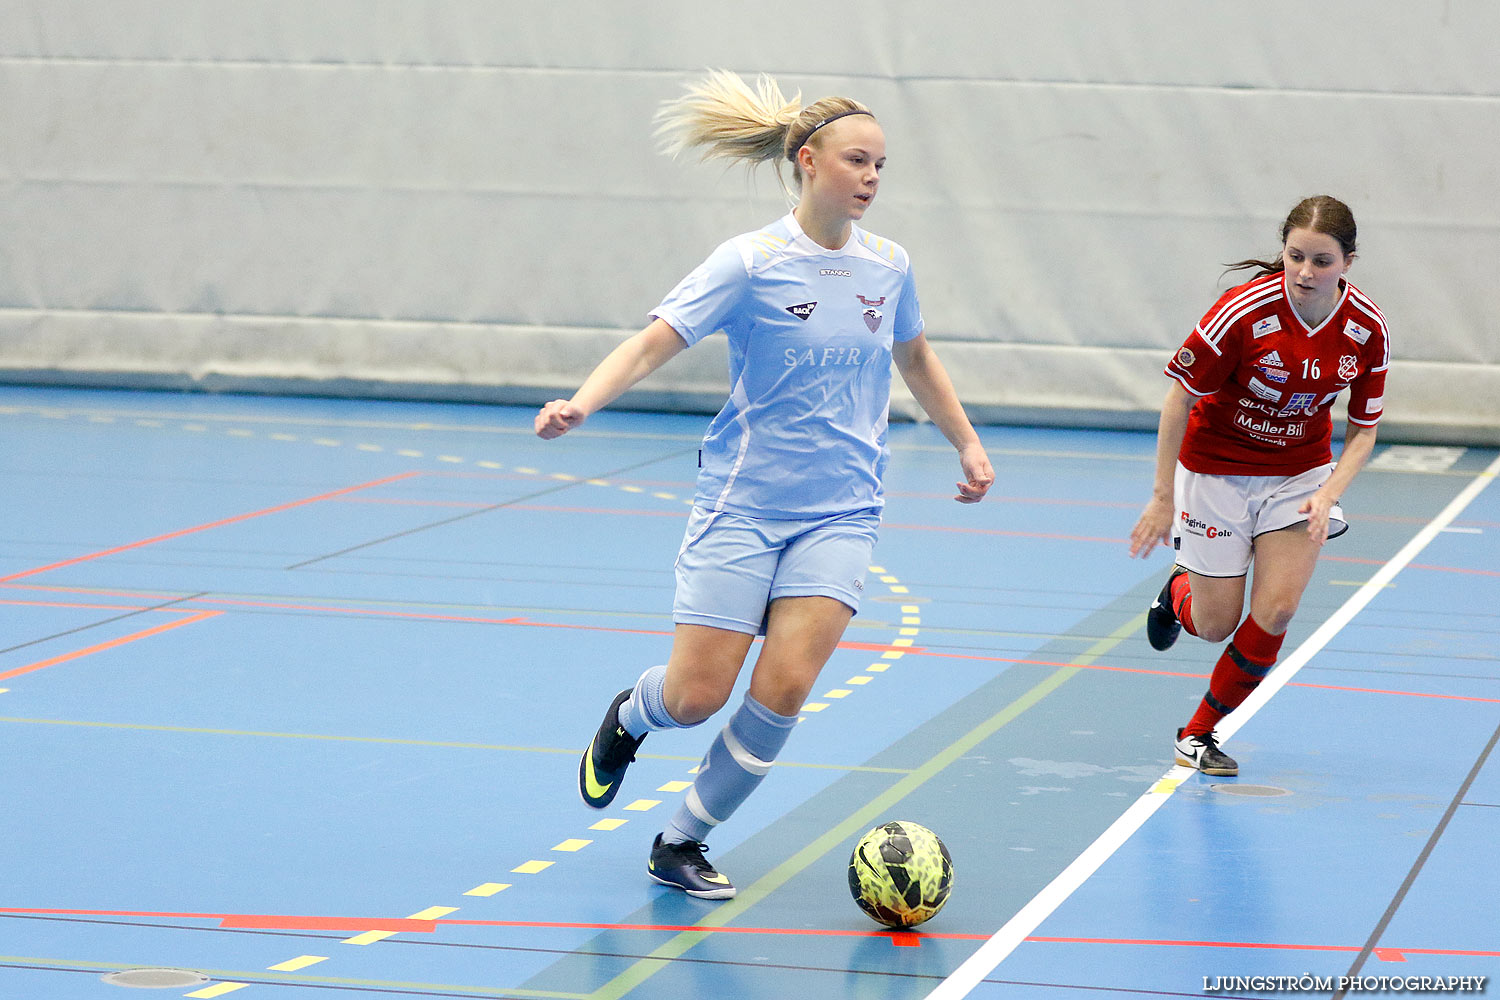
695, 700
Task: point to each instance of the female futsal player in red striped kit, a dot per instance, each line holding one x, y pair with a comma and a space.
1243, 456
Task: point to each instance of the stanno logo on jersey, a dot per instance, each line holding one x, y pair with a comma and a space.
1355, 332
1273, 359
1268, 325
872, 319
870, 302
803, 310
1348, 367
829, 272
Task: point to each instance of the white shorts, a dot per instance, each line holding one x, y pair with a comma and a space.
1219, 517
731, 567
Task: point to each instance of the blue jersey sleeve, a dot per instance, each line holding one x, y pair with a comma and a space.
909, 323
706, 300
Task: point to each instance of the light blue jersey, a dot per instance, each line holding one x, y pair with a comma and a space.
803, 433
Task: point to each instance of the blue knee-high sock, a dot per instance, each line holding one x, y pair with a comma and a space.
741, 755
645, 711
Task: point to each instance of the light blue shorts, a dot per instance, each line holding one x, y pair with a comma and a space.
731, 567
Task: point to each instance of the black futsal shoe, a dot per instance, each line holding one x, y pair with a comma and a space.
1162, 626
684, 867
609, 754
1203, 753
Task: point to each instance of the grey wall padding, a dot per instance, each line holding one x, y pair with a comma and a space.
462, 199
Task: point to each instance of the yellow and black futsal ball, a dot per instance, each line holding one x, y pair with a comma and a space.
900, 874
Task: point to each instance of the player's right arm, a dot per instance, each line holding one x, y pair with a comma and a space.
622, 368
1155, 525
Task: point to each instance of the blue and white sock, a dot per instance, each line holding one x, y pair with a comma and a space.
741, 755
645, 711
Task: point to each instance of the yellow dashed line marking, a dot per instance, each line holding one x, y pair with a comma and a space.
889, 579
837, 693
532, 867
449, 458
675, 786
409, 453
194, 427
861, 679
433, 913
283, 437
328, 442
632, 489
565, 477
138, 423
910, 609
598, 482
525, 471
665, 496
891, 655
1166, 786
101, 420
488, 889
641, 805
899, 590
369, 937
900, 642
489, 465
572, 845
240, 432
814, 706
910, 631
369, 447
609, 824
217, 990
911, 621
297, 964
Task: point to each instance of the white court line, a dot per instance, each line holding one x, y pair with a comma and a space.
994, 951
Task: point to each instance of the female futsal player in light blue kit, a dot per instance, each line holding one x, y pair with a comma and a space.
789, 495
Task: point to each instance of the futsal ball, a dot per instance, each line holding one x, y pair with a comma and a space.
900, 874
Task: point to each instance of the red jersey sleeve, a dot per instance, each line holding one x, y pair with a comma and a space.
1208, 357
1367, 391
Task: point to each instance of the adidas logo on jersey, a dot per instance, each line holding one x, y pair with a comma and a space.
1272, 360
803, 310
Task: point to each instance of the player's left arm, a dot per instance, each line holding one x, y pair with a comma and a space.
1359, 442
928, 381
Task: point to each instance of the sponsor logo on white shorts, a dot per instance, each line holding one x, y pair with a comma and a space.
1196, 527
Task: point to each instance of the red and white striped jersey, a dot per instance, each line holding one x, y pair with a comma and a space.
1267, 381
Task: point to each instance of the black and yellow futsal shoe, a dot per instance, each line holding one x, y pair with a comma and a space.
609, 754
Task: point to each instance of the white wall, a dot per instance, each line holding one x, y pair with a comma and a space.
461, 199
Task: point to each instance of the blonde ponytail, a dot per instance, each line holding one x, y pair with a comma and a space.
730, 121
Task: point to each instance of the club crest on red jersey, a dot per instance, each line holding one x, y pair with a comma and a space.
1186, 357
1348, 367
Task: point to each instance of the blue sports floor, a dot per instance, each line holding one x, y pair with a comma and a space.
294, 692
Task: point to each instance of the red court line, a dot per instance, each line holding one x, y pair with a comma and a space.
205, 527
77, 654
1051, 536
898, 938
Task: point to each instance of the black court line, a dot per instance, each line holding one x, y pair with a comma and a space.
1416, 868
489, 509
103, 621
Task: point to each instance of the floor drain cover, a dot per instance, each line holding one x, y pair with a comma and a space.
1261, 790
156, 979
